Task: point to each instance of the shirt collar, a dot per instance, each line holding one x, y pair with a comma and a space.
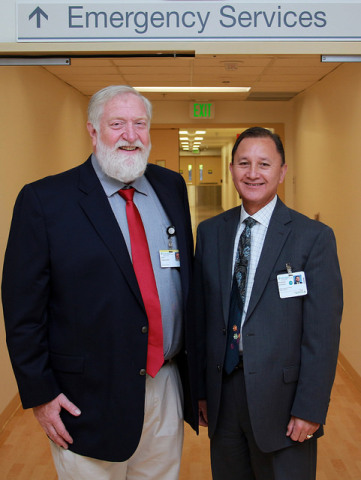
112, 185
263, 216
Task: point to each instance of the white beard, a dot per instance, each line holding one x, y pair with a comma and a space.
121, 165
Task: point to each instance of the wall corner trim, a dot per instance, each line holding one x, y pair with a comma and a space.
351, 372
9, 411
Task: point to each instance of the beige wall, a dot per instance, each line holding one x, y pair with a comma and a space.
327, 171
42, 132
165, 147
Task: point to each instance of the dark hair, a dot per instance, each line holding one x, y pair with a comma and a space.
260, 132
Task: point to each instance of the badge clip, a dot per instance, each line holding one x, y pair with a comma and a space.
289, 269
170, 233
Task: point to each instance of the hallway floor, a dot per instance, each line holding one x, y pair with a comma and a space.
25, 453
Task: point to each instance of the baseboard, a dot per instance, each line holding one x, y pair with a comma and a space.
9, 411
346, 365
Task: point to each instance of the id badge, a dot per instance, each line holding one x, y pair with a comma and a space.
293, 285
169, 258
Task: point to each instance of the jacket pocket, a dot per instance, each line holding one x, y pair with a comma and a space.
67, 363
290, 374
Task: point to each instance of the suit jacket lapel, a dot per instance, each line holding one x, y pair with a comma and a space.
277, 233
226, 235
96, 207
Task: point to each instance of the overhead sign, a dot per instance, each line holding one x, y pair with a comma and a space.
182, 21
202, 110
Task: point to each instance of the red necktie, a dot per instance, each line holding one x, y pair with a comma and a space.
143, 269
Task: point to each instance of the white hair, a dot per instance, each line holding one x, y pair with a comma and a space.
100, 98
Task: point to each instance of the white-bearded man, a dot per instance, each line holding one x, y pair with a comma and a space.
79, 330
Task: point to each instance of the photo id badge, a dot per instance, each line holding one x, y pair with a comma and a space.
292, 285
169, 258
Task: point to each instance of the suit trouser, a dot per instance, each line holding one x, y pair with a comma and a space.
159, 451
234, 452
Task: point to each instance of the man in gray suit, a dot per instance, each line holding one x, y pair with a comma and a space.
265, 412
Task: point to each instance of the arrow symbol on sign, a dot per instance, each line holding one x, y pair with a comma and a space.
38, 12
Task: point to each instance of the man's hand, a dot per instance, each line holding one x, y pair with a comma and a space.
203, 415
299, 430
48, 415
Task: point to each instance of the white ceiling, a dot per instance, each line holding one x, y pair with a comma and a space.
271, 77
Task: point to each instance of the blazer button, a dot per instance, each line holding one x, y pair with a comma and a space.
145, 329
142, 371
219, 368
224, 331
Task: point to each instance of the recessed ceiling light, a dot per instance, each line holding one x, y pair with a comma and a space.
341, 58
194, 89
30, 61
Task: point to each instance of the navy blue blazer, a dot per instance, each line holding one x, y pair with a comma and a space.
290, 345
73, 310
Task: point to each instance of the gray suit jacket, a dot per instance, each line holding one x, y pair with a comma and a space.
290, 345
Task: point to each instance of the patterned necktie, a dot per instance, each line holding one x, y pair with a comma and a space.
143, 269
238, 295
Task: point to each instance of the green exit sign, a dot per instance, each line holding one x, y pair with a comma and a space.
202, 110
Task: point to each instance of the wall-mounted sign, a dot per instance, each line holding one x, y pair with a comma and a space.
202, 110
182, 21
